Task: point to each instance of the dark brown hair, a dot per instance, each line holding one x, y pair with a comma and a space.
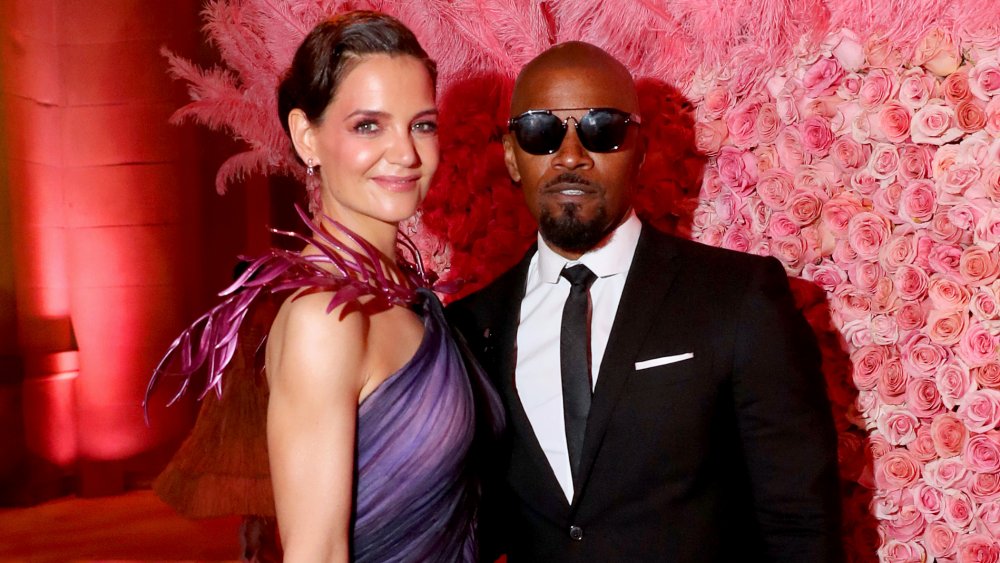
332, 49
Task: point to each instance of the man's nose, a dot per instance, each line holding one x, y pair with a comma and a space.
572, 154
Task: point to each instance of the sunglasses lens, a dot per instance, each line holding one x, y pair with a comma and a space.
603, 130
538, 133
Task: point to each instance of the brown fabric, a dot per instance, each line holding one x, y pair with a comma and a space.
222, 467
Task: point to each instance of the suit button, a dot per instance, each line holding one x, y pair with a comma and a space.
576, 533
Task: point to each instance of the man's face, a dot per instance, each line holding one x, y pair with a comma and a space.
578, 197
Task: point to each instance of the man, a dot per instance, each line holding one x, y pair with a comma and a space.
702, 432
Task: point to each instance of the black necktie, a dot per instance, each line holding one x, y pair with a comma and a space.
574, 360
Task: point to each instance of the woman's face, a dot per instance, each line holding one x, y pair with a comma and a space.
376, 146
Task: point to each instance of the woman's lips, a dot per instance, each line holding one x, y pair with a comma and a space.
397, 183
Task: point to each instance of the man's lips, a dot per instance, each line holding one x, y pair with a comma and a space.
397, 183
572, 189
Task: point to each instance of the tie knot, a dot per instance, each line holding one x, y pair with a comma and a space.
579, 276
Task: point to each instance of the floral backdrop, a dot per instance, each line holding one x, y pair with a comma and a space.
858, 144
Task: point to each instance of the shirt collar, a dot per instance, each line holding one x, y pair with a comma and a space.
615, 257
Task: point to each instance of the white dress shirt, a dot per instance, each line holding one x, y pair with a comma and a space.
538, 376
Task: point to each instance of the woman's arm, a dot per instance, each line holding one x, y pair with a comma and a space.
316, 369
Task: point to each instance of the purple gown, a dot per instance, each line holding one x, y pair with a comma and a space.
416, 483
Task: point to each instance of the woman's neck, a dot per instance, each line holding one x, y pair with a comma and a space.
376, 233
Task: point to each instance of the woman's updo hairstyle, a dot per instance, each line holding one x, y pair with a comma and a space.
332, 49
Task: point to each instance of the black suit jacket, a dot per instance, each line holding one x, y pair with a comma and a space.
727, 456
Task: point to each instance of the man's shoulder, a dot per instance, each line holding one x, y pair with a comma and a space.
703, 256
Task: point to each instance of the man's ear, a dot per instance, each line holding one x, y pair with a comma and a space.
508, 157
302, 134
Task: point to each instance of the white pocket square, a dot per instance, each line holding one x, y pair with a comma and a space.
646, 364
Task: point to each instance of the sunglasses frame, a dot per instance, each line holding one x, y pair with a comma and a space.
630, 119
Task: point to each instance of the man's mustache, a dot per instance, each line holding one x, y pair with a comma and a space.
567, 178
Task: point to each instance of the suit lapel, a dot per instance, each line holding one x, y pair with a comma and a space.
652, 271
531, 474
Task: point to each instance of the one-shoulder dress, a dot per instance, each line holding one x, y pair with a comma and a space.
416, 472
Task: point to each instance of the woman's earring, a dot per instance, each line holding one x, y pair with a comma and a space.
310, 168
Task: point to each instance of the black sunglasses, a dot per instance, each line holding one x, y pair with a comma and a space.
539, 131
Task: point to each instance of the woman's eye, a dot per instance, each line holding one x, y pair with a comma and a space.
425, 127
366, 127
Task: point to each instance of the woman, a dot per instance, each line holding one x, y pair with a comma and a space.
372, 410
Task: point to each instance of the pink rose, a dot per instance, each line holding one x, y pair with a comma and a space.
895, 551
987, 230
922, 447
774, 187
821, 177
822, 78
894, 122
711, 184
898, 425
837, 212
886, 198
716, 103
865, 275
918, 202
737, 238
988, 513
958, 510
911, 282
767, 158
916, 88
978, 266
953, 380
938, 53
848, 154
867, 234
907, 523
980, 410
857, 333
969, 117
978, 549
885, 300
924, 399
941, 540
884, 161
993, 117
876, 89
881, 52
863, 182
895, 470
945, 259
946, 327
712, 235
982, 453
760, 216
921, 356
949, 435
827, 275
768, 123
816, 135
843, 253
978, 346
914, 162
737, 169
727, 207
742, 123
958, 178
878, 446
709, 136
948, 295
987, 375
782, 226
898, 250
985, 487
845, 46
790, 251
804, 206
984, 79
934, 124
956, 87
991, 182
946, 232
947, 473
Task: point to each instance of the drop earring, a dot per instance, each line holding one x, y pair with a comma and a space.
310, 168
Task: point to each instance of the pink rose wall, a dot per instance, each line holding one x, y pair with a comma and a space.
856, 142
